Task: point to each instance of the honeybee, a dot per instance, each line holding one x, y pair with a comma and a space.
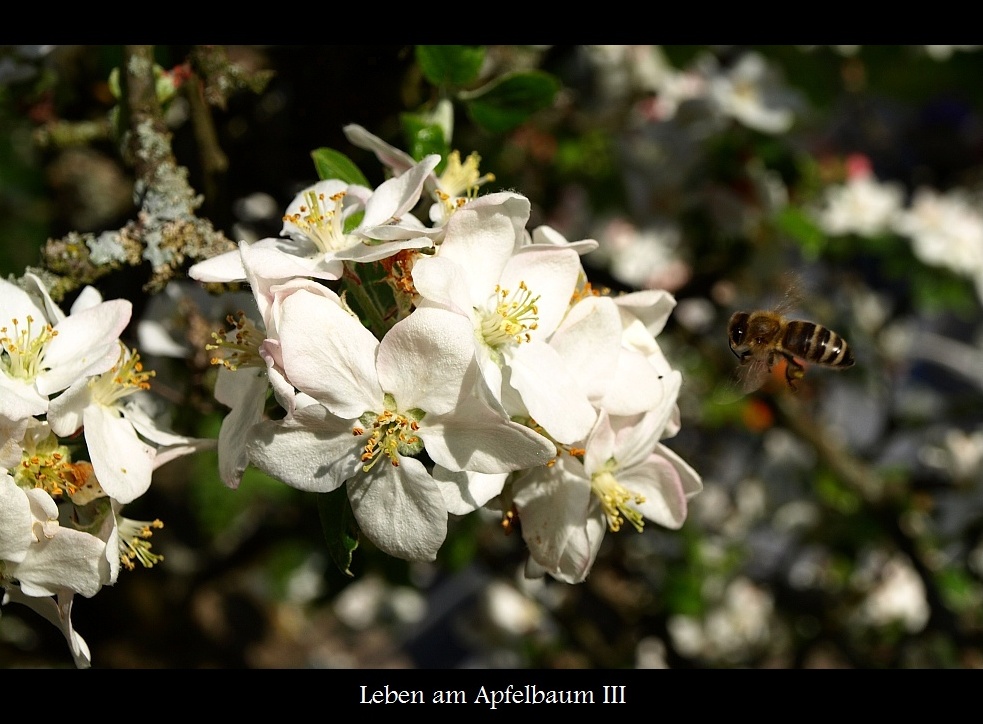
760, 338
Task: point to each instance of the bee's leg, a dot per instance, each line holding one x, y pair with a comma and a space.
793, 371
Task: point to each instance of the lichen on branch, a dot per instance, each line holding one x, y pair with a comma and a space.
167, 232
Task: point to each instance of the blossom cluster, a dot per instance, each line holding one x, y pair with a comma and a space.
434, 368
75, 447
945, 228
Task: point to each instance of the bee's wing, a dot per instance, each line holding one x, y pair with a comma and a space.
752, 375
745, 379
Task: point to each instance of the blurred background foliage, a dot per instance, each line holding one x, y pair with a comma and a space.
841, 526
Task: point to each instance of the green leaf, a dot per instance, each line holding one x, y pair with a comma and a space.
423, 137
334, 164
797, 224
450, 65
339, 526
510, 100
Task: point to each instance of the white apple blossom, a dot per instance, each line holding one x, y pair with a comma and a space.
618, 377
455, 186
946, 229
250, 366
115, 427
623, 474
314, 240
43, 351
58, 556
752, 92
383, 403
863, 205
513, 301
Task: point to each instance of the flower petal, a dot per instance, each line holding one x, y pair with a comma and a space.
400, 509
552, 396
86, 344
244, 391
123, 463
15, 521
313, 450
317, 335
559, 522
465, 492
426, 359
476, 438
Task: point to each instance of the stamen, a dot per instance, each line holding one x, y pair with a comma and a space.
22, 352
513, 317
459, 183
391, 436
134, 542
322, 223
239, 346
47, 465
616, 501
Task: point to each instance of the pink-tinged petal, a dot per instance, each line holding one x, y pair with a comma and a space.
89, 297
424, 361
283, 391
465, 492
553, 397
550, 273
658, 482
476, 438
328, 354
688, 477
549, 235
390, 156
274, 294
15, 521
123, 463
400, 509
312, 451
398, 195
555, 510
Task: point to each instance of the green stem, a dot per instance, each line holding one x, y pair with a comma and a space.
367, 302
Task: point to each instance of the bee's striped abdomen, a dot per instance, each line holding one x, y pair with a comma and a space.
817, 344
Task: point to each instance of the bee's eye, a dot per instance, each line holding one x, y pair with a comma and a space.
737, 335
